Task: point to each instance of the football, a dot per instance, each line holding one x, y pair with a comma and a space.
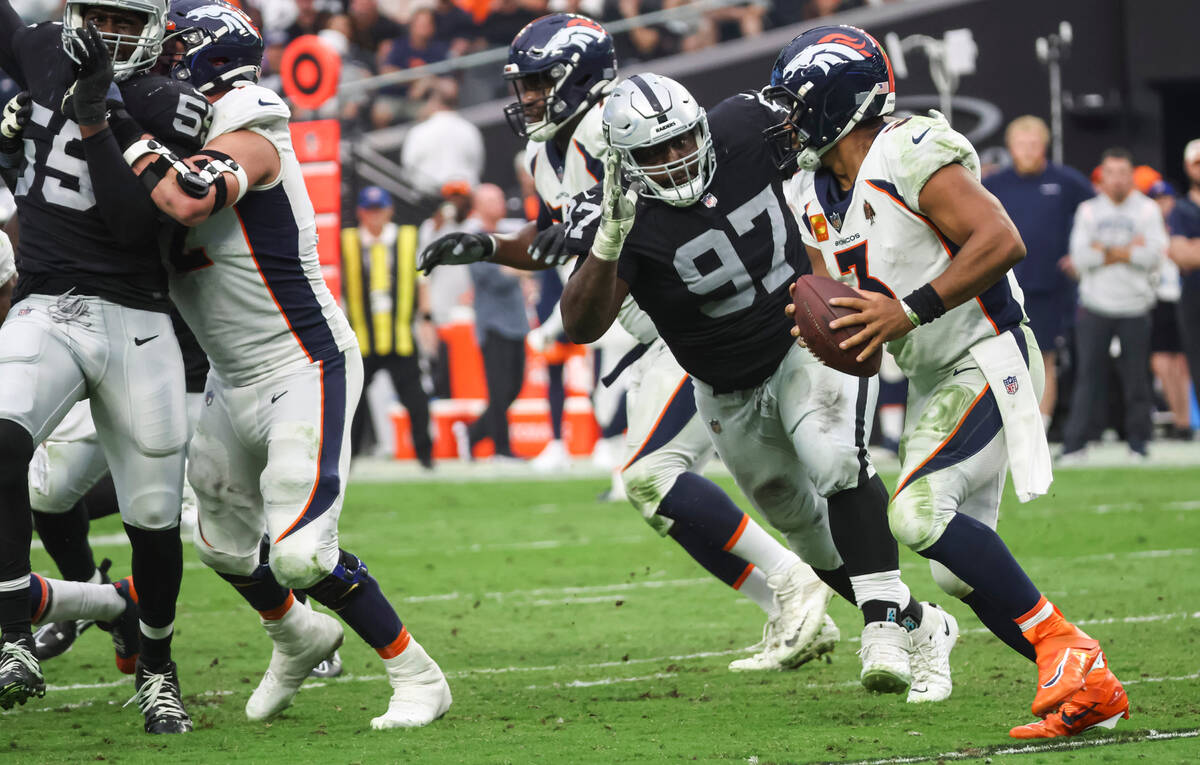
813, 314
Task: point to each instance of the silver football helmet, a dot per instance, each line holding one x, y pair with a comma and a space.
131, 53
645, 118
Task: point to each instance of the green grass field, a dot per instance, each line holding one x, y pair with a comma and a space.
572, 634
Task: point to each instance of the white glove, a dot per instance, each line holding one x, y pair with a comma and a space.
617, 211
536, 340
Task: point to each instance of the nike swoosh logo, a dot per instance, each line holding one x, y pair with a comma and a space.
273, 103
143, 340
1073, 719
917, 138
278, 396
790, 642
964, 369
946, 627
921, 689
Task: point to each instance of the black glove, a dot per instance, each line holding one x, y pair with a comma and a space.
12, 124
456, 249
86, 100
550, 246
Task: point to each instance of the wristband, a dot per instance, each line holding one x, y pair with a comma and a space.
925, 303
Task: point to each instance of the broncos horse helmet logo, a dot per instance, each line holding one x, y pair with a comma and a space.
830, 50
233, 18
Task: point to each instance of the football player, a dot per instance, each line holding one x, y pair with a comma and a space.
562, 67
707, 250
939, 290
271, 451
90, 320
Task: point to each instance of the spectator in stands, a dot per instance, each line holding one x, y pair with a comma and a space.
443, 146
398, 103
1041, 198
643, 43
1167, 359
1184, 250
455, 27
1117, 244
388, 305
309, 20
508, 17
370, 29
500, 326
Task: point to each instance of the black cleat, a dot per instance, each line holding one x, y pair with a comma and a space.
20, 675
159, 698
125, 630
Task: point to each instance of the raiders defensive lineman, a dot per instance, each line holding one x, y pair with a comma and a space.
271, 451
708, 251
90, 319
939, 290
562, 67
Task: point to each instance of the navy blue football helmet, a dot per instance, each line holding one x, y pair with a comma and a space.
828, 79
215, 44
567, 58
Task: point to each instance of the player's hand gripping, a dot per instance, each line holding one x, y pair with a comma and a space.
86, 99
550, 246
617, 211
456, 249
12, 124
882, 318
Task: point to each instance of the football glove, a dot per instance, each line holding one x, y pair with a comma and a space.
12, 124
617, 211
550, 246
457, 249
86, 100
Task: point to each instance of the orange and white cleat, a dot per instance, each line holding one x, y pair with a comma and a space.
1065, 655
1100, 704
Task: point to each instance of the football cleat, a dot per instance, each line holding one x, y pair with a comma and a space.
932, 642
802, 599
20, 674
160, 700
1065, 655
885, 655
125, 630
331, 667
302, 639
1100, 704
420, 693
767, 657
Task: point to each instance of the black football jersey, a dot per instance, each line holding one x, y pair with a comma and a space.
714, 276
65, 242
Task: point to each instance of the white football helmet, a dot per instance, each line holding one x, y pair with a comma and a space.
647, 110
144, 48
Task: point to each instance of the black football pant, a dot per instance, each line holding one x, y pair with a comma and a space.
1093, 336
405, 372
504, 370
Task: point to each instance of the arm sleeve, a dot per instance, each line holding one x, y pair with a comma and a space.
1084, 256
122, 199
1150, 254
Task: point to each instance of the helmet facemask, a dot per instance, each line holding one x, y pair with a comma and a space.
531, 116
678, 182
807, 133
131, 53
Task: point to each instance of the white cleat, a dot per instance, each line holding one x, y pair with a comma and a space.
302, 639
420, 693
931, 646
768, 658
802, 599
552, 458
885, 658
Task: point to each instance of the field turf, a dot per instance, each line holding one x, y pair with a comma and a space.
571, 633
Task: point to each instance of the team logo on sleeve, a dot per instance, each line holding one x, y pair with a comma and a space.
819, 227
1010, 384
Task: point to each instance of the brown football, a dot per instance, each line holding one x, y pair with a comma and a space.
813, 314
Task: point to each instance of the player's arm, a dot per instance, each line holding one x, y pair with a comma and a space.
593, 295
966, 214
527, 249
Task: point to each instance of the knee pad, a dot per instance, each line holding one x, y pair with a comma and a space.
950, 584
335, 587
154, 509
291, 465
16, 450
915, 518
224, 561
647, 481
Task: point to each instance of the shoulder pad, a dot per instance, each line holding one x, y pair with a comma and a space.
917, 147
172, 110
246, 106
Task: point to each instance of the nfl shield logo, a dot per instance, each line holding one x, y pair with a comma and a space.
208, 398
25, 311
709, 201
1010, 384
836, 220
715, 425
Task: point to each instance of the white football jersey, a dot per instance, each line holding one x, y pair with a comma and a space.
558, 178
8, 264
875, 237
249, 282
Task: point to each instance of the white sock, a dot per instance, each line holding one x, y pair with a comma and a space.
754, 544
883, 585
82, 600
157, 633
891, 421
755, 587
95, 578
